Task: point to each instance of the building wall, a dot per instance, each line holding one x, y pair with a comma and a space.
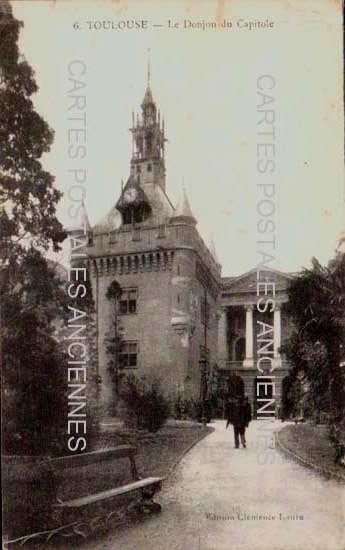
149, 326
167, 324
199, 340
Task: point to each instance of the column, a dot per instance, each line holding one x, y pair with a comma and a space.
277, 335
223, 356
249, 360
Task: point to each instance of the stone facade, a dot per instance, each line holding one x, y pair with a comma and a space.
238, 340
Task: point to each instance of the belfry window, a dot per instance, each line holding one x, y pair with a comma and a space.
135, 214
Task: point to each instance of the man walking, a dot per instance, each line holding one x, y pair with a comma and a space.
239, 415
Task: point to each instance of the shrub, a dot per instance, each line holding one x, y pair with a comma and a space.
184, 409
145, 402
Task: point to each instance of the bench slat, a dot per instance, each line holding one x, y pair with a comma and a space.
93, 457
83, 501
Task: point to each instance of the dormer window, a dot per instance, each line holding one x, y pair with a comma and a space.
133, 203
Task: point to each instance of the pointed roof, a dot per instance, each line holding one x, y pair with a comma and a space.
183, 210
148, 94
212, 248
148, 99
82, 222
84, 217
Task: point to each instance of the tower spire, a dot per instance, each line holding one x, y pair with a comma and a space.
147, 162
183, 210
212, 249
148, 99
148, 69
82, 224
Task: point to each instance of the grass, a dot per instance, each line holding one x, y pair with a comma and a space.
311, 444
156, 455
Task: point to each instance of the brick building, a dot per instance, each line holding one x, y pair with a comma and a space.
170, 280
177, 315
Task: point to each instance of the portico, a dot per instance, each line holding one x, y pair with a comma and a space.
229, 350
247, 334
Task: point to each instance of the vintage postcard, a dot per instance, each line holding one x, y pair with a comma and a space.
172, 274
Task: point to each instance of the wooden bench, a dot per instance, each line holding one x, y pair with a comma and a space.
146, 487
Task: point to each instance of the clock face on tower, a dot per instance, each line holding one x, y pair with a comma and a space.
130, 195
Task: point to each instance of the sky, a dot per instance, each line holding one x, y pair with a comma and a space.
204, 81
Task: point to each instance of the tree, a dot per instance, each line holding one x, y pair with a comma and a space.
33, 372
31, 292
28, 198
317, 305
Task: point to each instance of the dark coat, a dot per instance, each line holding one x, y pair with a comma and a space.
247, 412
239, 414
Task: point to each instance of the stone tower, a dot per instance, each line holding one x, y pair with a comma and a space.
148, 140
169, 279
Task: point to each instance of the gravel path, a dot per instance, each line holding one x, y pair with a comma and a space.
209, 500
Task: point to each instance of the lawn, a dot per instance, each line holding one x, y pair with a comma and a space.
157, 454
310, 443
